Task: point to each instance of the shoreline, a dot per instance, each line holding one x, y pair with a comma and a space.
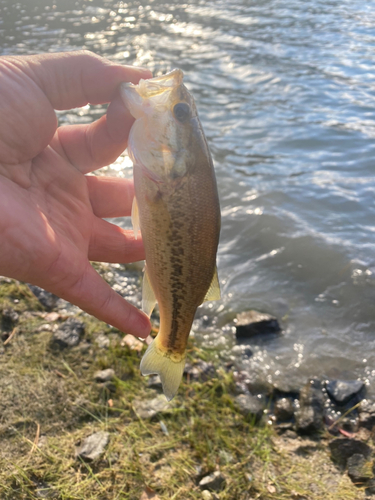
65, 376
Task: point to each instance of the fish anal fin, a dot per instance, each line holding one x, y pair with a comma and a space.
148, 296
135, 217
213, 293
170, 371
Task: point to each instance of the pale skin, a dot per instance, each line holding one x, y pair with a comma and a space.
51, 211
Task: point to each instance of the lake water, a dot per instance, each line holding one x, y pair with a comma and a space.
286, 95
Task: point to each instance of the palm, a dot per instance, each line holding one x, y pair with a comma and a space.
51, 213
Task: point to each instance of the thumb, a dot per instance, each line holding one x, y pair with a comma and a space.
92, 294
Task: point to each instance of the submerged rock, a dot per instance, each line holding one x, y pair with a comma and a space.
69, 334
342, 391
213, 482
251, 323
344, 448
359, 468
309, 417
93, 446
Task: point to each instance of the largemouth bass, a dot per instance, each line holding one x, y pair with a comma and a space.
176, 207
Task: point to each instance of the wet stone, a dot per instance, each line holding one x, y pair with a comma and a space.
367, 415
250, 406
47, 299
309, 417
104, 375
93, 446
359, 468
344, 448
251, 323
342, 391
284, 409
213, 482
69, 334
150, 408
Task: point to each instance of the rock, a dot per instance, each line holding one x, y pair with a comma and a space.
69, 334
201, 370
9, 318
366, 412
309, 417
104, 375
250, 406
52, 316
344, 448
149, 494
251, 323
152, 407
93, 446
102, 341
370, 489
154, 381
133, 343
44, 490
207, 495
284, 409
342, 391
47, 299
284, 427
213, 482
359, 469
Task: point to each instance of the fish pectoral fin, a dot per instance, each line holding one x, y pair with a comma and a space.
148, 296
135, 217
170, 372
213, 293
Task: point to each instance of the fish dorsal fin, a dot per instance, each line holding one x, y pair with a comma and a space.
213, 293
135, 217
148, 296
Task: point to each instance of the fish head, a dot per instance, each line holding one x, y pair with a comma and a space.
166, 126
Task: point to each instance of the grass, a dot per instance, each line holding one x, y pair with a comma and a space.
50, 402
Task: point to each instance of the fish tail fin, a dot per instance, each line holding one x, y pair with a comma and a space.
155, 361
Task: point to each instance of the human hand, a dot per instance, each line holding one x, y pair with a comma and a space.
51, 213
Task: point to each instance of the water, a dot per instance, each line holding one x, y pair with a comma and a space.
286, 94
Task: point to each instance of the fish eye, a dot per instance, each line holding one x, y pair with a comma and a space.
181, 111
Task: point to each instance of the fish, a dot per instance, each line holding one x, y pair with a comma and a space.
176, 208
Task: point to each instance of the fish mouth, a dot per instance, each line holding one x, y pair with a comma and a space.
147, 93
156, 86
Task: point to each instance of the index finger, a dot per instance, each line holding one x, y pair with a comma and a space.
74, 79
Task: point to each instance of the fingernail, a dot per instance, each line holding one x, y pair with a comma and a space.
144, 325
